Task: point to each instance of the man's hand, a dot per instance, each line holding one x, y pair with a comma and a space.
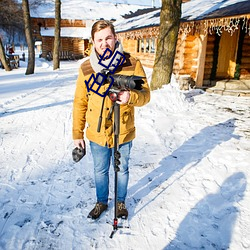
79, 143
123, 97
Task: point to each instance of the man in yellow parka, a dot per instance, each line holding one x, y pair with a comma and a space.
86, 109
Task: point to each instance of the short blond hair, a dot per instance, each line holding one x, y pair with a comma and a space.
100, 25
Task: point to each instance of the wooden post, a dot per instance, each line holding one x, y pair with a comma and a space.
201, 60
149, 45
140, 45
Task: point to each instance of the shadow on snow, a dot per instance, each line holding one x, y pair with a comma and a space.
189, 155
23, 110
210, 223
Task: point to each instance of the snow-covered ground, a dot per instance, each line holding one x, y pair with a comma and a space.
189, 169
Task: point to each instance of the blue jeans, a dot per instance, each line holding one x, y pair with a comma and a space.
102, 158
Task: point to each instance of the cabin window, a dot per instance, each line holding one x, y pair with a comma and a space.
139, 45
152, 45
146, 45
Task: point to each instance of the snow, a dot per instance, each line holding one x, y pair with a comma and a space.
192, 10
86, 10
145, 20
189, 169
155, 3
196, 9
84, 33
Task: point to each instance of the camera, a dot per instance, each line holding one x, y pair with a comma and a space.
123, 82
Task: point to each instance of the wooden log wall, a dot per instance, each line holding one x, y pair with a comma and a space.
79, 46
178, 61
50, 22
66, 44
131, 46
186, 55
190, 56
47, 45
146, 59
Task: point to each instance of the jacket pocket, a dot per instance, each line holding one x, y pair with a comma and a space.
127, 120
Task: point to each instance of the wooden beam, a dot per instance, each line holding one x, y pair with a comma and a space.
201, 60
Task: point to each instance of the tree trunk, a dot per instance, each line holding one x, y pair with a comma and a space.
3, 57
29, 38
168, 34
56, 59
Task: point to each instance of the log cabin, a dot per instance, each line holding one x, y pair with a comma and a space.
213, 41
74, 37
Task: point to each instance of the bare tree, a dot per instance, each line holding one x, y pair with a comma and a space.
11, 17
36, 3
56, 59
168, 34
11, 24
3, 57
28, 33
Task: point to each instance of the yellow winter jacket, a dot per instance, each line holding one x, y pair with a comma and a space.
87, 106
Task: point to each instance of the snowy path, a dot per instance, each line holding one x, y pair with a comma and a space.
189, 171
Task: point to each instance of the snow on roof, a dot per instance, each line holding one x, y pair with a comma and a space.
192, 10
85, 10
80, 32
197, 9
145, 20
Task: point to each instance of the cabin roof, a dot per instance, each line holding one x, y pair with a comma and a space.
208, 9
85, 10
193, 10
77, 32
140, 21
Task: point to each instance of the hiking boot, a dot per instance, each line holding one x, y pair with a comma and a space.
97, 210
122, 211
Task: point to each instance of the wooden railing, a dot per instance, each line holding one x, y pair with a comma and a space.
64, 55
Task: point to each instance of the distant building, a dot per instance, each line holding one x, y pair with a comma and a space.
77, 19
74, 37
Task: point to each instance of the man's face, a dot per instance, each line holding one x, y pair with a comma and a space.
104, 39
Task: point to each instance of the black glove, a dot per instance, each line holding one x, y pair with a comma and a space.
78, 153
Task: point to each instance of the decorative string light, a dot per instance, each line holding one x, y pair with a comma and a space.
140, 33
246, 25
218, 25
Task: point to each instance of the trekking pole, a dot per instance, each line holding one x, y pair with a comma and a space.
117, 156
